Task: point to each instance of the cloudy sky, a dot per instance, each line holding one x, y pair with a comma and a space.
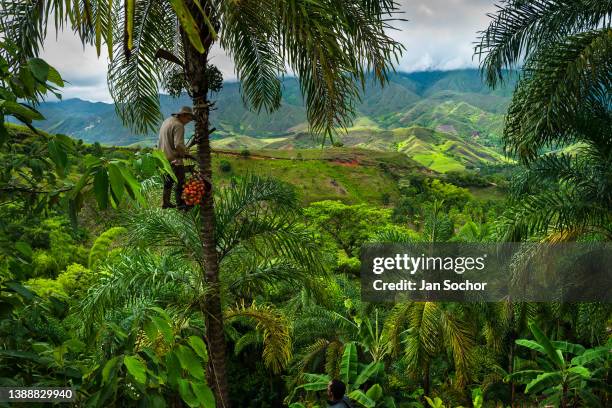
439, 34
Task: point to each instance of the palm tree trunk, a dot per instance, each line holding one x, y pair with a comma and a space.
212, 303
195, 71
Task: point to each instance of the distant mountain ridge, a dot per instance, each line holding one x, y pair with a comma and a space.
449, 101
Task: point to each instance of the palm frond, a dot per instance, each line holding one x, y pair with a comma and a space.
310, 353
460, 342
275, 329
558, 210
333, 357
328, 63
247, 340
24, 23
315, 323
249, 275
519, 28
563, 96
251, 39
423, 340
260, 215
250, 198
134, 76
136, 276
173, 230
496, 320
396, 325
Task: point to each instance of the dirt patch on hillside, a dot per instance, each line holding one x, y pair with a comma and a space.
347, 162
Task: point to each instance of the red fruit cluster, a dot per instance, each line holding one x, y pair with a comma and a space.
194, 190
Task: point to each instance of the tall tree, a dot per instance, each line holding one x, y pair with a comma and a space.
562, 99
330, 45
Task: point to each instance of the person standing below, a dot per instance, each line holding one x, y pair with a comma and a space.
335, 393
172, 143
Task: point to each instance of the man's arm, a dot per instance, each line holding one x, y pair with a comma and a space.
179, 141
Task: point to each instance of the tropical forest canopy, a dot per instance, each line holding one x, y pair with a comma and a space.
252, 298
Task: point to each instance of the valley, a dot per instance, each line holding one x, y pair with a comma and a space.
445, 121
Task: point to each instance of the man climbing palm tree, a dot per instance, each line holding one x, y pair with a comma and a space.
332, 47
172, 143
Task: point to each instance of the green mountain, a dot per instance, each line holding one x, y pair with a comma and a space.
445, 120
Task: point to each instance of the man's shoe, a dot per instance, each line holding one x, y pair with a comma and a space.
168, 205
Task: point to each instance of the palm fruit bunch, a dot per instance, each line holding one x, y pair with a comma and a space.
194, 190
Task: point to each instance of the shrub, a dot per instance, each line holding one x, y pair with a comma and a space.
449, 193
225, 166
348, 265
466, 179
62, 244
44, 264
102, 245
76, 279
44, 287
37, 237
245, 153
385, 199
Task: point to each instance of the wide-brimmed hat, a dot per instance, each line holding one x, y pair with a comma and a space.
185, 110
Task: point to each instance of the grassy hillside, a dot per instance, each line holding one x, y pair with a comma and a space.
436, 150
351, 175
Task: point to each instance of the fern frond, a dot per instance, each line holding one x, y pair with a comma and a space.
275, 328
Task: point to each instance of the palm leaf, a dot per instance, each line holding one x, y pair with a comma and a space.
275, 329
543, 381
134, 77
562, 95
348, 365
251, 38
550, 350
520, 28
326, 64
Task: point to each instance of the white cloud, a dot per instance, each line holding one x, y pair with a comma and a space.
439, 34
426, 10
80, 67
424, 63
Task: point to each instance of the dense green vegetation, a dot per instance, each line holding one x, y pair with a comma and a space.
125, 278
255, 301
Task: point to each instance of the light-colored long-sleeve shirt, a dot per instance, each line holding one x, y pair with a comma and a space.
172, 140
